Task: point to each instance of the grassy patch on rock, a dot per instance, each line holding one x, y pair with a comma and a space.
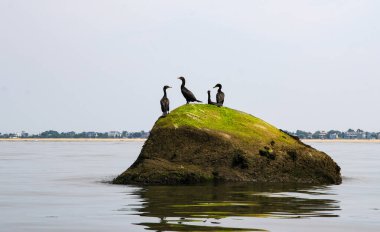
223, 120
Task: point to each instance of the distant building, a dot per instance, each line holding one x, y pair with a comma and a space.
378, 136
333, 136
368, 135
24, 134
361, 135
350, 135
70, 134
322, 135
114, 134
91, 134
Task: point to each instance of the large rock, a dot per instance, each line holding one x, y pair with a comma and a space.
199, 143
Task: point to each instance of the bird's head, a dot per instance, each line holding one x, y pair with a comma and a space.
208, 91
167, 87
218, 86
181, 78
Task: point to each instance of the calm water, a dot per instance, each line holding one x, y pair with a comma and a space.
61, 186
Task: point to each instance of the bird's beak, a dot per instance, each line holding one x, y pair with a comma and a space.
178, 78
169, 87
215, 87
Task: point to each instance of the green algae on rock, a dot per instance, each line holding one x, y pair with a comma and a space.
199, 143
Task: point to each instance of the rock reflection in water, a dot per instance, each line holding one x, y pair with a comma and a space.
201, 207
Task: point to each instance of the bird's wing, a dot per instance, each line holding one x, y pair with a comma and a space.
218, 97
167, 104
188, 94
222, 97
162, 102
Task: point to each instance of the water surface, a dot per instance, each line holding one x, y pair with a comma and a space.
62, 186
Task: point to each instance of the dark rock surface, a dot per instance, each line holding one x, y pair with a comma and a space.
201, 143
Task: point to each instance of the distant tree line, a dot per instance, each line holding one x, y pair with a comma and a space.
331, 134
336, 134
72, 134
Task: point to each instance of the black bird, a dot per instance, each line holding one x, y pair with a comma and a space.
165, 102
219, 95
209, 98
189, 96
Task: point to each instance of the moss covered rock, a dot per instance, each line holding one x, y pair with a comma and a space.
198, 143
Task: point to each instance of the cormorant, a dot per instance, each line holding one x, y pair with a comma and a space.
209, 98
189, 96
219, 95
165, 102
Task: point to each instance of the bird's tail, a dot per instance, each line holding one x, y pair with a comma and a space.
198, 101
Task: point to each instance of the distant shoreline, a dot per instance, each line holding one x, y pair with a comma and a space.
143, 140
71, 140
341, 140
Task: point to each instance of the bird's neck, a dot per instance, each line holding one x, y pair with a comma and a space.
183, 83
164, 92
209, 97
220, 89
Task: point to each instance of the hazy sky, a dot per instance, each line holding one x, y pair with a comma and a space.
101, 65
